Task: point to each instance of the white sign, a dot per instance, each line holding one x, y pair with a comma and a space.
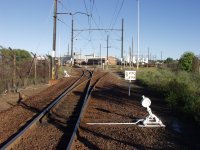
130, 75
53, 53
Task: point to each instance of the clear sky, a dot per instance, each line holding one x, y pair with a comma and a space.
170, 26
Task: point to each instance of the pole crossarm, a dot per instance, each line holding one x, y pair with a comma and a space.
97, 29
72, 14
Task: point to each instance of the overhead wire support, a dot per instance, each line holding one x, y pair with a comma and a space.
97, 29
72, 14
72, 32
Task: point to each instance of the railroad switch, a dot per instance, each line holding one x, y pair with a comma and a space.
151, 120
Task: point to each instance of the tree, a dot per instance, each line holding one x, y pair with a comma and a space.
21, 55
186, 61
169, 60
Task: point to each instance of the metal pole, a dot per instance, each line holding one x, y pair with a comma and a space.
100, 56
138, 35
148, 58
132, 51
68, 50
72, 36
35, 62
107, 50
122, 44
54, 41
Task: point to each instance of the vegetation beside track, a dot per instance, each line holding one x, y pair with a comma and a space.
181, 89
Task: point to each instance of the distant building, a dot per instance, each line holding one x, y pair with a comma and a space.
112, 60
66, 59
95, 61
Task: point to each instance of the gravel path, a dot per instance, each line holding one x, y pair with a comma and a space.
110, 103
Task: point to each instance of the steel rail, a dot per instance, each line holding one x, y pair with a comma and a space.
15, 138
88, 94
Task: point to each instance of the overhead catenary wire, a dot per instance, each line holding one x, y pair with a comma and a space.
63, 22
114, 13
118, 14
90, 7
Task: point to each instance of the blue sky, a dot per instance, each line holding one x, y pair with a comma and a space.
170, 26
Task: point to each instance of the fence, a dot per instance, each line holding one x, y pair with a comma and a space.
16, 72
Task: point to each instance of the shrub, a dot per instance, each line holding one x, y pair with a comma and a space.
181, 89
186, 60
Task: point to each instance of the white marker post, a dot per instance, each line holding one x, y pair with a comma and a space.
130, 75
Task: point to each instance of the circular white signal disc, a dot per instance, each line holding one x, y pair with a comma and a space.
146, 102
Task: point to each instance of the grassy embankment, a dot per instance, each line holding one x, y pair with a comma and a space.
180, 89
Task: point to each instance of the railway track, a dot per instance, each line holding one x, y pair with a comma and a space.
15, 118
56, 126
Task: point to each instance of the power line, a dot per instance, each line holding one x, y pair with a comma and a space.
63, 6
97, 12
85, 7
114, 14
118, 13
63, 22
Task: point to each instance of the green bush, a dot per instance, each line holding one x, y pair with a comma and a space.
181, 89
186, 61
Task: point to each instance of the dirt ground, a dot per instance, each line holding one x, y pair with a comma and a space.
14, 118
10, 99
110, 103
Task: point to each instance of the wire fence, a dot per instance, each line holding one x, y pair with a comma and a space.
16, 73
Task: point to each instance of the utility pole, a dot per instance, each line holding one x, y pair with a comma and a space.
72, 37
80, 53
148, 58
100, 56
161, 55
132, 51
107, 50
54, 41
130, 56
138, 35
122, 40
68, 50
